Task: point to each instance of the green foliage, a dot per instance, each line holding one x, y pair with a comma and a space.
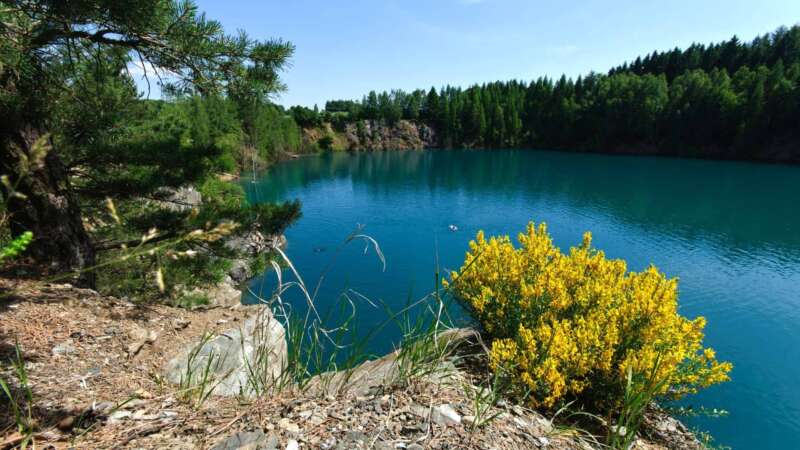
731, 100
192, 300
20, 399
16, 246
306, 117
325, 142
640, 391
186, 265
275, 134
65, 73
781, 46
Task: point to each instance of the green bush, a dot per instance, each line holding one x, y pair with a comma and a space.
579, 325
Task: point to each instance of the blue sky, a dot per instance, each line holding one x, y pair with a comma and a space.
346, 48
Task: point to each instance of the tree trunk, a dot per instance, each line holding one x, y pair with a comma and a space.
49, 209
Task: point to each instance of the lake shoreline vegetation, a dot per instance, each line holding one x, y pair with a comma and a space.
124, 241
730, 100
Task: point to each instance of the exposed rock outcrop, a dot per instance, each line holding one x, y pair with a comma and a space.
183, 198
377, 135
243, 361
374, 135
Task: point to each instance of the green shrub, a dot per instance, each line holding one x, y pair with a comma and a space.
325, 142
573, 326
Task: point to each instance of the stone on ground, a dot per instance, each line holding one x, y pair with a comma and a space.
256, 349
248, 440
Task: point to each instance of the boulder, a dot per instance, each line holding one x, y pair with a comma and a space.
240, 271
248, 360
223, 294
179, 199
384, 371
252, 243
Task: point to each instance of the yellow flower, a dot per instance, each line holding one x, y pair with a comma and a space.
574, 324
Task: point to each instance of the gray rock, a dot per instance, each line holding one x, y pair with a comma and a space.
255, 351
253, 242
288, 425
240, 271
445, 415
383, 371
119, 416
353, 440
180, 199
64, 348
224, 294
247, 440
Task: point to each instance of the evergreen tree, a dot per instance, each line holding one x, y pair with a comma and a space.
48, 47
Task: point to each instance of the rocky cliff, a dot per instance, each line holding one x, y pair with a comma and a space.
373, 135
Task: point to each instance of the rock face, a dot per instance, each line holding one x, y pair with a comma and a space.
246, 360
251, 244
179, 199
377, 135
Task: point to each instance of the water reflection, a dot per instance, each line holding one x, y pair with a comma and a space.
728, 230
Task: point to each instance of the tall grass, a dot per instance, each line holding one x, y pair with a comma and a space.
640, 391
21, 399
200, 378
325, 348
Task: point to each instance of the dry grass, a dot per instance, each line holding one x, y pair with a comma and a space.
104, 376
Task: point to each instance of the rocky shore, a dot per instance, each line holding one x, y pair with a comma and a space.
108, 373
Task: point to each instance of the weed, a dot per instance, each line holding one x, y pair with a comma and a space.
21, 402
200, 378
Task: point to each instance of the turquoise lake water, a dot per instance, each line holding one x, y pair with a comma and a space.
729, 230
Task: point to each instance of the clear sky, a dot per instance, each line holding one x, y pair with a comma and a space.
346, 48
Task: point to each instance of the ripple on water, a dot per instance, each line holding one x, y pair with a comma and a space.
741, 271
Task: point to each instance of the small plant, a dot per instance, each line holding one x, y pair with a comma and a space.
21, 402
707, 441
199, 379
325, 142
315, 346
640, 392
192, 300
16, 246
484, 400
572, 325
425, 344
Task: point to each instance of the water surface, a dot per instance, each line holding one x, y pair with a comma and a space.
728, 230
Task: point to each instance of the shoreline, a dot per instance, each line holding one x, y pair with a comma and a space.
636, 149
125, 348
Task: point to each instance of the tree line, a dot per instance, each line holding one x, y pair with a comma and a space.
726, 100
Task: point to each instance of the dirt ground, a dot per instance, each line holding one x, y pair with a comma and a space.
95, 365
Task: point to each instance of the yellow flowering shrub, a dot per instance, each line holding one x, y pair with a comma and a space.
572, 325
